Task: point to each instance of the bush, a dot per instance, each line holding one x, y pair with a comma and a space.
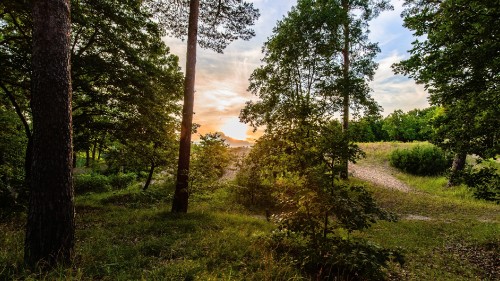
91, 183
422, 160
335, 257
121, 180
314, 231
485, 183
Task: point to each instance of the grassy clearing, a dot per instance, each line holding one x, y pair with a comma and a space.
445, 233
131, 235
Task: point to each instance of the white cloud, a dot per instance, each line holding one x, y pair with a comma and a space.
222, 79
396, 91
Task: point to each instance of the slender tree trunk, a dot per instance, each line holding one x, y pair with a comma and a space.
87, 157
99, 150
180, 202
344, 172
50, 228
457, 166
94, 148
29, 135
150, 176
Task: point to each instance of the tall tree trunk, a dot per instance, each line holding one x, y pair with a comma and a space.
344, 169
50, 227
150, 176
457, 166
180, 202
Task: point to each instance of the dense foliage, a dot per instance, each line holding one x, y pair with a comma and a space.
456, 58
210, 160
13, 141
126, 85
316, 214
484, 181
422, 160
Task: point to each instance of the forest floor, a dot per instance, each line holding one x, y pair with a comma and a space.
128, 234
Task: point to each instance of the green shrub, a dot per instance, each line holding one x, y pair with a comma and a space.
484, 182
421, 160
334, 257
121, 180
91, 183
314, 232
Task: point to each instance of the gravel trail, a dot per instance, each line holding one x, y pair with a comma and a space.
378, 175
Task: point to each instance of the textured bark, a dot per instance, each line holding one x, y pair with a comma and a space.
50, 227
457, 166
344, 172
180, 202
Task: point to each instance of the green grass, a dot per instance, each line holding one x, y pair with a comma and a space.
132, 235
444, 232
127, 234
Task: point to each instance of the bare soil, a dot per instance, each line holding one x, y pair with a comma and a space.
379, 175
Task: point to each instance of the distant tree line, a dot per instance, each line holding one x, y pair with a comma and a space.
414, 125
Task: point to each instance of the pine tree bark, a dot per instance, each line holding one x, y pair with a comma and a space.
344, 165
180, 202
50, 226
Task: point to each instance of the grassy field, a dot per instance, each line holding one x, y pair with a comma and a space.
444, 233
131, 235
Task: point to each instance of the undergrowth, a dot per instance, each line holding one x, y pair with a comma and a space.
132, 235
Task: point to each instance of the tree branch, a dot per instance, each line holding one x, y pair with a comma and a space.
19, 112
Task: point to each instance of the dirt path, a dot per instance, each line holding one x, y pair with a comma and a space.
378, 175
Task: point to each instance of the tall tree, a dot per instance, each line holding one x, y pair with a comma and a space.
358, 54
318, 63
180, 202
126, 85
456, 57
51, 227
217, 23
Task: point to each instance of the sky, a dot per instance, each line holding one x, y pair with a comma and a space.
222, 79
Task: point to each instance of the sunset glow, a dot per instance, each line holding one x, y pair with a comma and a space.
222, 79
234, 129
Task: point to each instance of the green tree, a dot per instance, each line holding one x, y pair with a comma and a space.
217, 23
457, 59
15, 57
368, 129
13, 194
358, 54
126, 83
211, 159
50, 229
124, 80
415, 125
318, 62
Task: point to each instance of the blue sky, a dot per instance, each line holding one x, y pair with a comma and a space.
222, 79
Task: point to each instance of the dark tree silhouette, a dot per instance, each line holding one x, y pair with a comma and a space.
50, 228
